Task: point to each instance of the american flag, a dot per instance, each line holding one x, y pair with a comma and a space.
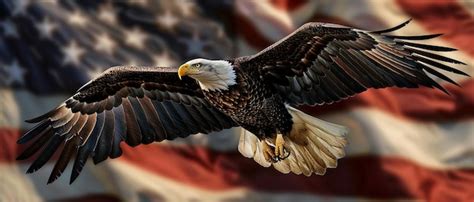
405, 144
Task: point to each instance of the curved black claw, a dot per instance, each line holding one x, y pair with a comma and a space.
277, 158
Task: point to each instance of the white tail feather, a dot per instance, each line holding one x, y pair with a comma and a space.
325, 140
250, 147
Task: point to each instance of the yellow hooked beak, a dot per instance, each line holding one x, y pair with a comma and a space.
183, 70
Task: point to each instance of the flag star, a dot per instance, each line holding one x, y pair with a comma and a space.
104, 43
186, 7
46, 27
20, 7
135, 38
77, 18
15, 74
168, 20
194, 44
107, 14
72, 53
9, 29
163, 60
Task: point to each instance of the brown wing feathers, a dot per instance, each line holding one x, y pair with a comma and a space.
323, 63
135, 105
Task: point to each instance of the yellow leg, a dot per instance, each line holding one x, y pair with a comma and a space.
279, 148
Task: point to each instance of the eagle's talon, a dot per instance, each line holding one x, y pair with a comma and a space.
268, 152
280, 150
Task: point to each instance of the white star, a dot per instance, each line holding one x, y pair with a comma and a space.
20, 7
168, 20
77, 18
72, 53
104, 43
135, 38
107, 14
15, 74
195, 45
186, 7
9, 29
163, 60
94, 72
46, 27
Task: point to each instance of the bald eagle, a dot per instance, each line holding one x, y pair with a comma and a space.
317, 64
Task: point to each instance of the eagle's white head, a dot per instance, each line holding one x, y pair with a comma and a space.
212, 75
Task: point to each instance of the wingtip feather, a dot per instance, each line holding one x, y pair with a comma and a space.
53, 178
33, 120
31, 169
74, 175
392, 28
415, 38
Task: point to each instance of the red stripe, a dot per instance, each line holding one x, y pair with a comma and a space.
8, 147
363, 176
444, 16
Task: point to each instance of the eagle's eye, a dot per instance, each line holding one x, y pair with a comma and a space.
197, 65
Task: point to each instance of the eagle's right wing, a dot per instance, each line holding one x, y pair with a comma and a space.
323, 63
132, 104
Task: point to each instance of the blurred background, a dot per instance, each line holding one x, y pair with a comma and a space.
404, 144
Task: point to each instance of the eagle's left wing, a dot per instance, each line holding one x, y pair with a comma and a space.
322, 63
136, 105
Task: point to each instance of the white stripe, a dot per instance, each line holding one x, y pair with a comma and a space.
15, 185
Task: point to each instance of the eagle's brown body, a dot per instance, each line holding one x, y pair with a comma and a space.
253, 104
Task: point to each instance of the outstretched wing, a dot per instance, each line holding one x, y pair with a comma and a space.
323, 63
132, 104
